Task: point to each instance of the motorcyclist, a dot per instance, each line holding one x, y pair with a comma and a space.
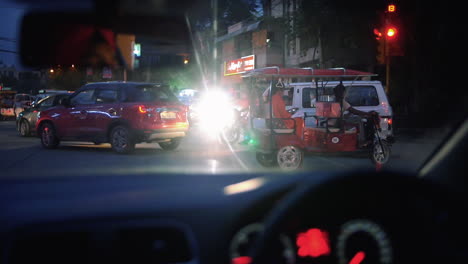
352, 115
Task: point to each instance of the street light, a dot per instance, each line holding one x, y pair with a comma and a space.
51, 70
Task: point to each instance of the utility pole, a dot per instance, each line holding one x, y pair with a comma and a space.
387, 64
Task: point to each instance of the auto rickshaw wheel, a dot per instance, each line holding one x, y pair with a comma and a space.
267, 160
380, 152
290, 158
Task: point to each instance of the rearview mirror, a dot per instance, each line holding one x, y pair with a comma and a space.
49, 39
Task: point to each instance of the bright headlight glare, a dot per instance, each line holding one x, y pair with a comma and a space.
215, 111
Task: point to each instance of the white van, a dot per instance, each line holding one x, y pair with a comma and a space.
363, 95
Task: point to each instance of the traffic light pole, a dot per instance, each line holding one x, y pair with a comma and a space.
387, 65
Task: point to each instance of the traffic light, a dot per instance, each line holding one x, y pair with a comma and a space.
394, 41
380, 46
391, 32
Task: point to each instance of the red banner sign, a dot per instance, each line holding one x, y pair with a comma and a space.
241, 65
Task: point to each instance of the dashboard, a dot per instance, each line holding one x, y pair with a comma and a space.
237, 219
354, 242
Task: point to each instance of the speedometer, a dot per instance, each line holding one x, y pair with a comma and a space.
363, 241
244, 240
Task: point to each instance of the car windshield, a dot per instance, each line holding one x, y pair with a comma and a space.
192, 103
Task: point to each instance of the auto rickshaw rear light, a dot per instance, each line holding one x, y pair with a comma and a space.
142, 109
390, 121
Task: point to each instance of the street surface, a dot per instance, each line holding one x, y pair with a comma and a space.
25, 157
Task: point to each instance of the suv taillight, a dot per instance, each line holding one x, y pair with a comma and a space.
142, 109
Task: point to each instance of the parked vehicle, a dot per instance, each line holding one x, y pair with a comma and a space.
22, 102
7, 109
363, 95
45, 93
120, 113
26, 120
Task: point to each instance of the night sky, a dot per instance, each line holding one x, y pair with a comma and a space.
10, 15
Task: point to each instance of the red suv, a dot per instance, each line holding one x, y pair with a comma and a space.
120, 113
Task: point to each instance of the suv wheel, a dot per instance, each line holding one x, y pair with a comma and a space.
171, 145
121, 140
49, 138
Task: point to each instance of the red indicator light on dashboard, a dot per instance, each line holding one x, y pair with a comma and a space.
313, 243
241, 260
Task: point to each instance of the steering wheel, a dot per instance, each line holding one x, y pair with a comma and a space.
385, 217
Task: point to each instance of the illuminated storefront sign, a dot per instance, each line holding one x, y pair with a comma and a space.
241, 65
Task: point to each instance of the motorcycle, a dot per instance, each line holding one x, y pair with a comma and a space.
233, 131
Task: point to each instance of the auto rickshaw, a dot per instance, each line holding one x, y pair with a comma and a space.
279, 144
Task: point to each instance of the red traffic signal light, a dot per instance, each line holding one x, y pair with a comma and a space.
391, 32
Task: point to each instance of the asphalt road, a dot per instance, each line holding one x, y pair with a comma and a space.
25, 157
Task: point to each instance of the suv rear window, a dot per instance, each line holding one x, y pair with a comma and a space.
145, 93
362, 96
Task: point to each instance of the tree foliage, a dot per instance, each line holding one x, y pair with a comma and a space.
339, 24
223, 12
209, 21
